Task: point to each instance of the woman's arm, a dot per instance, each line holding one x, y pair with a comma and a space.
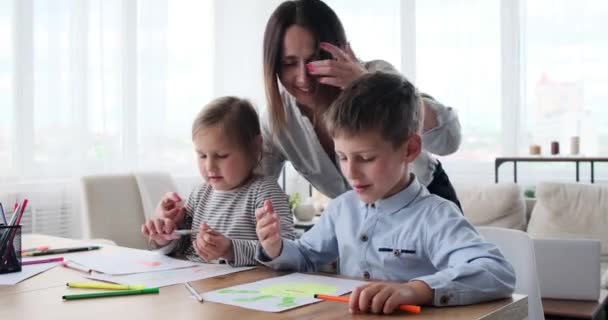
441, 132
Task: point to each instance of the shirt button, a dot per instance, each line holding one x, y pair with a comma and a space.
366, 275
444, 300
397, 252
364, 238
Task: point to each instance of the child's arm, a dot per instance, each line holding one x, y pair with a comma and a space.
160, 231
171, 207
174, 215
316, 247
269, 230
470, 269
385, 297
268, 189
211, 244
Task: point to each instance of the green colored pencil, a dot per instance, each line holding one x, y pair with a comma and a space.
109, 294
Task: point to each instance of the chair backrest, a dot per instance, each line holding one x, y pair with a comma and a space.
113, 209
497, 205
570, 211
152, 187
518, 249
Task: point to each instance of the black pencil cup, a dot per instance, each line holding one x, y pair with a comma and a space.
10, 249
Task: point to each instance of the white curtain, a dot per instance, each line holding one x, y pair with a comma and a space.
97, 86
103, 86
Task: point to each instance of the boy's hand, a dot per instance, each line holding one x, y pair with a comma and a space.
211, 245
160, 230
385, 297
171, 207
268, 229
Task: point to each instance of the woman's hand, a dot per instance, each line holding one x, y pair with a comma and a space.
340, 71
211, 245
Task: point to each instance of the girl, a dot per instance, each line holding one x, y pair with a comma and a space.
221, 211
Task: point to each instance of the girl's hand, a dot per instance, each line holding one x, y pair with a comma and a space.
159, 230
385, 297
171, 207
211, 245
341, 71
268, 229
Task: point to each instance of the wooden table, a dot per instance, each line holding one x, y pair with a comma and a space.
40, 298
575, 309
576, 160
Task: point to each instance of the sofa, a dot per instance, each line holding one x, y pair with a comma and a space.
560, 210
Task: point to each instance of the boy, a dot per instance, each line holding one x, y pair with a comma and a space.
389, 227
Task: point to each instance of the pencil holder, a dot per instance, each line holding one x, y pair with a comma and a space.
10, 249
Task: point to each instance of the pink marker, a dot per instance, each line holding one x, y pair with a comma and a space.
58, 259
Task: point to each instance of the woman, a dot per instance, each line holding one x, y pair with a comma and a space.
307, 62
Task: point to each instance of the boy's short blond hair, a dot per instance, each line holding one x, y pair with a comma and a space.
382, 102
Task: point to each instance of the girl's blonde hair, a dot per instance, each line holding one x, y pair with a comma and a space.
237, 118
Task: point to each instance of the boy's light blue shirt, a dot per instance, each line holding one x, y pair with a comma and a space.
412, 235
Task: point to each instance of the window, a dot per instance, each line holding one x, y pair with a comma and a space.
566, 74
458, 63
374, 31
97, 86
7, 116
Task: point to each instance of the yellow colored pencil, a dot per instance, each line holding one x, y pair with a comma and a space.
107, 286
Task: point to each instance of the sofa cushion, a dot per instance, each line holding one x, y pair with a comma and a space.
498, 205
571, 211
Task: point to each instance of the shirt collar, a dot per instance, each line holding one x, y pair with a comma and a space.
399, 200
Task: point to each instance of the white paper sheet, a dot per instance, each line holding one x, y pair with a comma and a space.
129, 261
26, 272
170, 277
282, 293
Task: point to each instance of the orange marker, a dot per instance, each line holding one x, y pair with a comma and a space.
404, 307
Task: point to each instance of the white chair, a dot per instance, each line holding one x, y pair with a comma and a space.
113, 206
152, 187
518, 249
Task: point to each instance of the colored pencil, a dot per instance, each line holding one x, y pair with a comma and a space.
58, 259
75, 266
110, 294
60, 250
193, 292
107, 286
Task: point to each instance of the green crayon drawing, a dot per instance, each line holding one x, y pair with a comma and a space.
288, 292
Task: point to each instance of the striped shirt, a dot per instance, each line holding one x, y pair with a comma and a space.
232, 213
